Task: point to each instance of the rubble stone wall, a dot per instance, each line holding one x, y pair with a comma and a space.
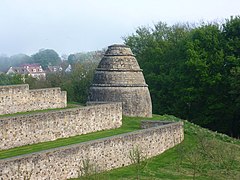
18, 98
103, 154
48, 126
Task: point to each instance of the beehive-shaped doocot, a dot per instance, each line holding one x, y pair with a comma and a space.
118, 78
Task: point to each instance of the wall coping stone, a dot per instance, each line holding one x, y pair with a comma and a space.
45, 89
26, 85
15, 85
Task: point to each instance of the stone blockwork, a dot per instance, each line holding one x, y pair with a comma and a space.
134, 100
18, 98
104, 154
119, 78
40, 127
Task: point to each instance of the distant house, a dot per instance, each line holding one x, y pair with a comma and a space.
33, 70
53, 69
17, 70
68, 69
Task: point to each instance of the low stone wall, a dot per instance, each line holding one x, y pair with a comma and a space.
40, 127
18, 98
104, 154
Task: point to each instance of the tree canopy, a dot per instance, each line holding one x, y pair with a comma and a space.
82, 57
15, 60
46, 57
193, 72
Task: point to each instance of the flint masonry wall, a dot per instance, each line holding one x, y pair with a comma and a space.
104, 154
40, 127
18, 98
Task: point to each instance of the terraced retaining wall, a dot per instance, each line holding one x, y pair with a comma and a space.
18, 98
48, 126
104, 154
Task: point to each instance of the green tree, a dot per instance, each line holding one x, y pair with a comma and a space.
19, 59
84, 57
81, 78
231, 33
10, 79
46, 57
159, 52
15, 60
4, 63
193, 72
203, 71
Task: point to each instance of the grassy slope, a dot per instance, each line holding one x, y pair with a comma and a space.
222, 160
169, 166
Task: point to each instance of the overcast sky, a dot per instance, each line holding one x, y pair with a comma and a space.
70, 26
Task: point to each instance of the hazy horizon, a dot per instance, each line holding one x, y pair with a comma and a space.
79, 26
